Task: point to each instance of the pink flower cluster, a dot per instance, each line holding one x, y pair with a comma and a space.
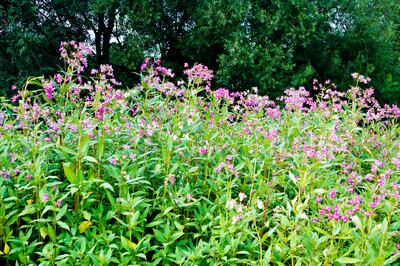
199, 74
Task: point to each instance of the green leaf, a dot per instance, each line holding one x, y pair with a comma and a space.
159, 236
127, 244
87, 215
100, 148
61, 212
90, 159
348, 260
84, 225
6, 249
167, 210
66, 150
43, 232
69, 171
63, 225
47, 208
84, 145
29, 209
107, 186
336, 229
111, 199
51, 232
153, 224
356, 220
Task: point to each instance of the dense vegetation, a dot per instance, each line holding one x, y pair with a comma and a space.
271, 44
177, 174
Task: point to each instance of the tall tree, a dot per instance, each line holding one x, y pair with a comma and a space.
269, 44
32, 30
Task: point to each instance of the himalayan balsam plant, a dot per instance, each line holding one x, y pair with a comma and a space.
174, 173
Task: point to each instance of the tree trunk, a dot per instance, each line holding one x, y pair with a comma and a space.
103, 35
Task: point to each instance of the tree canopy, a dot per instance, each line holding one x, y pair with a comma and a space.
270, 44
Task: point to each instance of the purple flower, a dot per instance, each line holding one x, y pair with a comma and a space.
48, 90
58, 78
58, 203
332, 194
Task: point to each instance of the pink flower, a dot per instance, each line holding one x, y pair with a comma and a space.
113, 161
218, 169
118, 94
48, 90
235, 219
332, 194
369, 177
199, 74
396, 162
203, 151
318, 199
58, 78
171, 179
368, 214
45, 197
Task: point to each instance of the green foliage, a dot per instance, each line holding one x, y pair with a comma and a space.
175, 174
271, 45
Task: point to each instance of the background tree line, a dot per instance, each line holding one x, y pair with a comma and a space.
269, 44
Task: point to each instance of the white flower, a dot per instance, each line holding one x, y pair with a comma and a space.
239, 208
231, 204
242, 196
260, 204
